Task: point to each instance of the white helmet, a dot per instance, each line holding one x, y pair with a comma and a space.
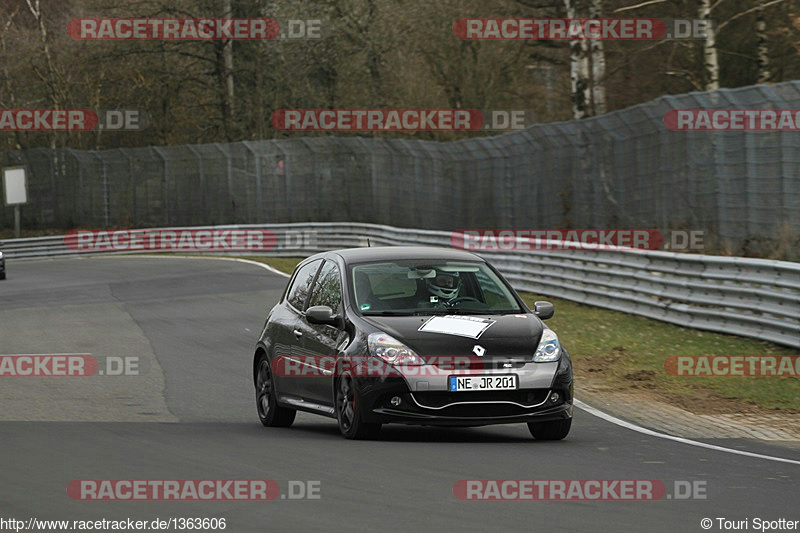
445, 285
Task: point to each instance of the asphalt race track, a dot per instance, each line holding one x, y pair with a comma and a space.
191, 413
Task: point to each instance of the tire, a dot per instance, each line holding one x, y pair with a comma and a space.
348, 412
269, 412
3, 275
556, 430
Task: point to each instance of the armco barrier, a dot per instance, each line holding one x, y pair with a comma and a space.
749, 297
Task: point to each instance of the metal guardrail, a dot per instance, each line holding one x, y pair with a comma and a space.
756, 298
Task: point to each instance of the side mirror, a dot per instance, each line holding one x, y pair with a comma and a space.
543, 310
321, 314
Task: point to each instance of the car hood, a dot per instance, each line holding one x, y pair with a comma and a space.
505, 337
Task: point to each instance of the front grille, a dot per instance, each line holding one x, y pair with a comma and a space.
485, 364
434, 399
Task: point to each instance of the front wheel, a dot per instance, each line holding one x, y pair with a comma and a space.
556, 430
348, 412
269, 412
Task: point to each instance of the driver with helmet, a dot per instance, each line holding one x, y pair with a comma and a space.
444, 288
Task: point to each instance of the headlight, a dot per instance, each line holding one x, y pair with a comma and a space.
1, 255
549, 349
392, 350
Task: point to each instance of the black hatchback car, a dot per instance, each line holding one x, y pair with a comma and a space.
411, 335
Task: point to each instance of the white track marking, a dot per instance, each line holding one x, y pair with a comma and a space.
622, 423
38, 354
216, 257
262, 265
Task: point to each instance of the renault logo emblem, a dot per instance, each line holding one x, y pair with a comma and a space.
479, 350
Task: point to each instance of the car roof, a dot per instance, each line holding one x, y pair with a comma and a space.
393, 253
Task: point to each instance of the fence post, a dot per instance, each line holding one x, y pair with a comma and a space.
165, 187
105, 186
202, 174
229, 166
131, 186
77, 211
105, 192
259, 194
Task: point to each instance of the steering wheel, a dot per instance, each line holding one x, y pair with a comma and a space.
456, 301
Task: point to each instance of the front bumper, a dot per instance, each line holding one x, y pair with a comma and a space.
461, 408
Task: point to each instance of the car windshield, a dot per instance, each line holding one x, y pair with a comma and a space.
430, 287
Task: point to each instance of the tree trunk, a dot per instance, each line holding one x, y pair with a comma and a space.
374, 57
763, 48
579, 68
227, 75
55, 97
710, 55
598, 56
12, 99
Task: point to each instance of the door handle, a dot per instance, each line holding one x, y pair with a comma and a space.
297, 333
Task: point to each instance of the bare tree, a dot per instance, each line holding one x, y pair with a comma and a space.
763, 47
598, 57
9, 89
229, 101
707, 12
51, 76
710, 53
578, 67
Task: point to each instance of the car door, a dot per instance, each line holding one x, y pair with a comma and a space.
287, 322
320, 342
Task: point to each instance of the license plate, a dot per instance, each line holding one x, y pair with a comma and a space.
466, 383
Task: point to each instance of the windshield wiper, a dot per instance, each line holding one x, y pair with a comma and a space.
455, 311
387, 312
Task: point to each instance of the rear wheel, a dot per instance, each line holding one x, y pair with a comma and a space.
556, 430
348, 412
269, 412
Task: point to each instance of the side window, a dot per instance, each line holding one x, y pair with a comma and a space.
492, 293
302, 285
328, 288
496, 296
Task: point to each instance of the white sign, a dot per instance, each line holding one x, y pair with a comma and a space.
15, 186
463, 326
